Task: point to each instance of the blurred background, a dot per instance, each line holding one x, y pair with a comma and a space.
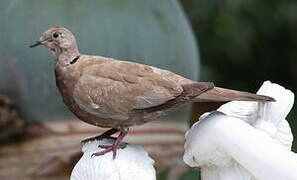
245, 42
236, 44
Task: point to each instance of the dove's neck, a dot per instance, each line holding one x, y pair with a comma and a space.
65, 56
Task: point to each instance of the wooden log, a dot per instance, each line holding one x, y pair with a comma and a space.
53, 154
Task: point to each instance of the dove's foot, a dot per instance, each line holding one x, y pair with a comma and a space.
110, 148
106, 135
118, 144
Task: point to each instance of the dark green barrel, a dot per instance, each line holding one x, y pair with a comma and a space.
154, 32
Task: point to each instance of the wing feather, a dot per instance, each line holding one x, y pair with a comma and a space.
114, 88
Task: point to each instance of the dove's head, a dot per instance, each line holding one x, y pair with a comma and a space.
59, 40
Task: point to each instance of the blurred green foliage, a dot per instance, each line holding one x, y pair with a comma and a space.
245, 42
164, 174
191, 175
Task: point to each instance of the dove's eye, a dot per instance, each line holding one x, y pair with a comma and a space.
56, 34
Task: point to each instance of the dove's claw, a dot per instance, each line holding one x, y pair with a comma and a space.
110, 148
118, 144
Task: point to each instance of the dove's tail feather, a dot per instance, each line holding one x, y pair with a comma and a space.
221, 94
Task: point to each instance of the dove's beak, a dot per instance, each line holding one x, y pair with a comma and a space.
39, 42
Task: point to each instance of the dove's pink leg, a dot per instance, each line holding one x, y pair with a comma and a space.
118, 144
106, 134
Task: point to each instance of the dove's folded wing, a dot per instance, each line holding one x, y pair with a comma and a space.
113, 88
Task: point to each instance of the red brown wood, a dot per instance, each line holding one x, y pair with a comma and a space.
53, 155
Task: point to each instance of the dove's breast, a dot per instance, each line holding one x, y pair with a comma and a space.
67, 81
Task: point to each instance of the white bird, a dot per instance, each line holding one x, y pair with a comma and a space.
245, 140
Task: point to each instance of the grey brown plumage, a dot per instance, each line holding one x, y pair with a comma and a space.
112, 93
108, 93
